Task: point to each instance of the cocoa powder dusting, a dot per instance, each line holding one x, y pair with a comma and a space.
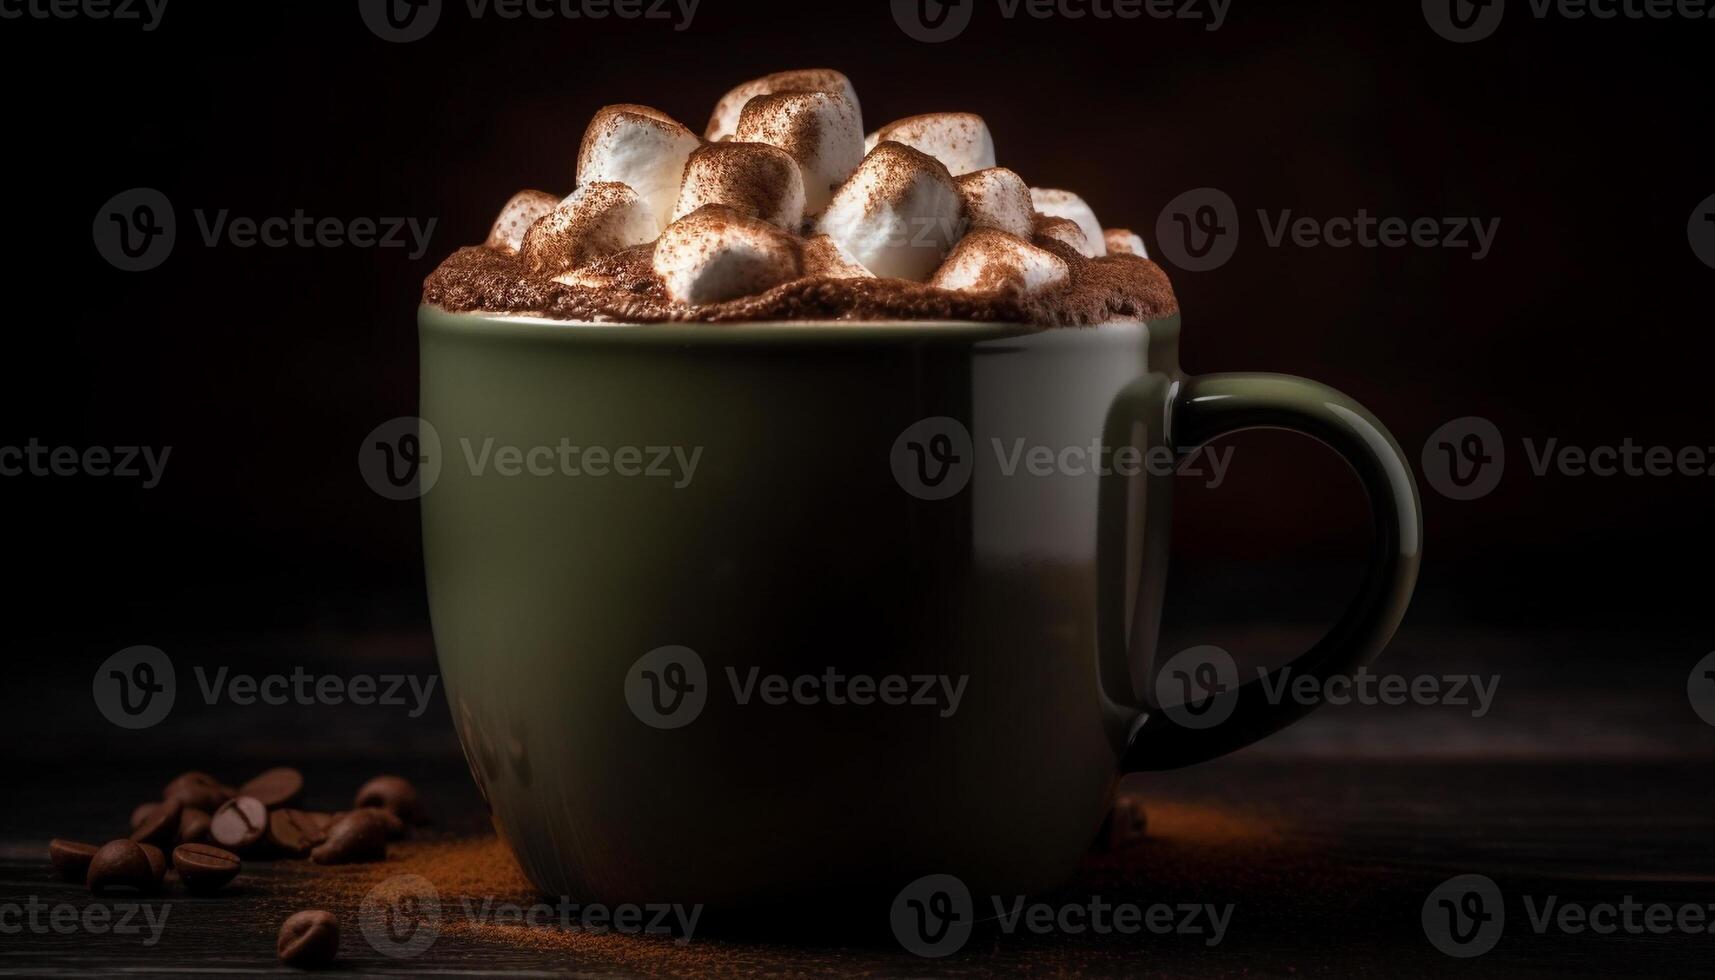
471, 871
1207, 843
752, 177
480, 875
624, 288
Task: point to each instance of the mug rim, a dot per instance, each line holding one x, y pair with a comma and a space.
529, 326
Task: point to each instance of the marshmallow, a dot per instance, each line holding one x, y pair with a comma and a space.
825, 259
717, 253
755, 178
588, 277
988, 260
1065, 204
517, 216
823, 131
640, 147
596, 221
998, 198
724, 122
1064, 231
899, 214
1123, 241
960, 140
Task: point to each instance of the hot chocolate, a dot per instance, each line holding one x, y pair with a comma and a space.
785, 210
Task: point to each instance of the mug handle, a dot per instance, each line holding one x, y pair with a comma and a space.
1204, 408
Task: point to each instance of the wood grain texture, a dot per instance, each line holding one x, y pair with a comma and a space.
1585, 783
1326, 866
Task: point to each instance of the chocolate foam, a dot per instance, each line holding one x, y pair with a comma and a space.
624, 288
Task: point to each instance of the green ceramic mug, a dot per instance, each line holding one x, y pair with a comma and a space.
757, 614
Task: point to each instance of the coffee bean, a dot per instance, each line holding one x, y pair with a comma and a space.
198, 790
121, 864
161, 827
320, 822
239, 823
143, 812
193, 826
308, 939
71, 858
1125, 826
360, 835
294, 832
395, 826
275, 788
393, 793
204, 868
157, 860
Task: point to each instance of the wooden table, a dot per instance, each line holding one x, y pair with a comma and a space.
1325, 842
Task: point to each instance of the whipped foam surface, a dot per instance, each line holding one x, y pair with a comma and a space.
787, 211
624, 288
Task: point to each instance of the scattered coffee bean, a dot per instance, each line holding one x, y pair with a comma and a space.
275, 788
392, 793
143, 812
308, 939
360, 835
161, 827
1125, 826
395, 826
193, 826
320, 822
239, 823
198, 790
71, 858
204, 868
121, 864
294, 832
157, 860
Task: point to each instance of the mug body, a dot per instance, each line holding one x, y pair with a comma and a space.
740, 615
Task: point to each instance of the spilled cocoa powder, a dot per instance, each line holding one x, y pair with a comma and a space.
624, 288
475, 870
1191, 847
479, 870
473, 866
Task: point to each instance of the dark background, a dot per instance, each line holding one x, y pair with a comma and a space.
264, 368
